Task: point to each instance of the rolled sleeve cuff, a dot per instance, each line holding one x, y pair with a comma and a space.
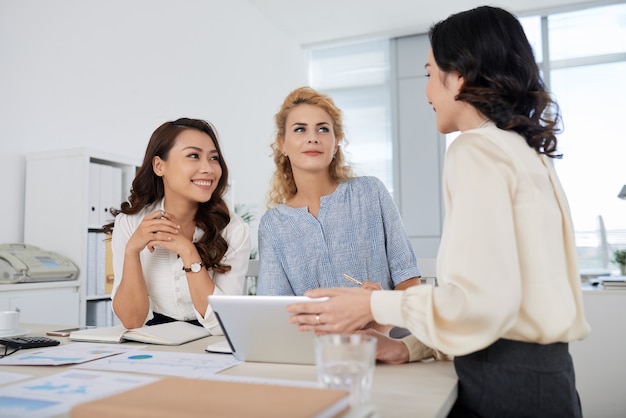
417, 349
209, 320
386, 306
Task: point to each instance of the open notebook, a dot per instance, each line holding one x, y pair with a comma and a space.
257, 329
171, 333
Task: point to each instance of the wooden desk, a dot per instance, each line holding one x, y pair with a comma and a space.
415, 389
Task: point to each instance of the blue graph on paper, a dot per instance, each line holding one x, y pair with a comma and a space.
56, 394
165, 363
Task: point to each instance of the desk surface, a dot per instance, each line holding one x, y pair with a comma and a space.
424, 389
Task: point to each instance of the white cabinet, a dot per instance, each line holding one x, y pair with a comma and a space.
599, 359
65, 199
44, 302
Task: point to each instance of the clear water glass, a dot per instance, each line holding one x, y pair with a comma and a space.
347, 362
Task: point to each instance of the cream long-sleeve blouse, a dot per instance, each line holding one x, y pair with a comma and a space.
507, 265
163, 273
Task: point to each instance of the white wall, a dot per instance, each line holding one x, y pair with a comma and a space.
105, 74
599, 359
419, 149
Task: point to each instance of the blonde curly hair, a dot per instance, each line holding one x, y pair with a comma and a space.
283, 185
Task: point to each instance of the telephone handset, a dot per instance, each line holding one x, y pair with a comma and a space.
28, 263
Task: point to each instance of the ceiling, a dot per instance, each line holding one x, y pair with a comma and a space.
315, 22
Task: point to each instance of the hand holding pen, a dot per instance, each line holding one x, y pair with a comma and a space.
367, 285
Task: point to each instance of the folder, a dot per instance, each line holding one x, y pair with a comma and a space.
184, 398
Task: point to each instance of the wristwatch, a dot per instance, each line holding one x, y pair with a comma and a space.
193, 268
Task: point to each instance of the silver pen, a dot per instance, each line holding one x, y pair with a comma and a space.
352, 279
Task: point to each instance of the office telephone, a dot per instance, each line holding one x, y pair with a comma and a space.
27, 263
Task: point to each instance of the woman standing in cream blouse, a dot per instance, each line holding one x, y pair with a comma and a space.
509, 299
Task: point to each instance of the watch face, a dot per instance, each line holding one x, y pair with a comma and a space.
196, 267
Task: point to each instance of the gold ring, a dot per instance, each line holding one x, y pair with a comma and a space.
317, 318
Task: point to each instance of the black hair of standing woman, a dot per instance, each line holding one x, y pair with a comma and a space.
212, 216
501, 77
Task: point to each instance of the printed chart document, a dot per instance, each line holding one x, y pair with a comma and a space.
63, 354
171, 333
181, 398
193, 365
55, 395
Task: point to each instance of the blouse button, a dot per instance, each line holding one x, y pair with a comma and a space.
178, 300
177, 290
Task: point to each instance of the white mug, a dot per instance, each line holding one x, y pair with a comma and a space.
9, 320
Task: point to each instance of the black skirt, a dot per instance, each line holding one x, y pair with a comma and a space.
517, 379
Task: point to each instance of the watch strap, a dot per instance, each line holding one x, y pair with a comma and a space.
194, 267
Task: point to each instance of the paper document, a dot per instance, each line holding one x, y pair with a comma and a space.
63, 354
165, 363
55, 395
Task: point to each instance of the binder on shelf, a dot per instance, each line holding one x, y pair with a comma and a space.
108, 265
100, 263
115, 197
105, 192
93, 209
91, 271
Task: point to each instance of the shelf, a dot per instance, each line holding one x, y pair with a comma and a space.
97, 297
39, 285
88, 193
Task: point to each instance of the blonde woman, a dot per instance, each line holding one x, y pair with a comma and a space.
325, 222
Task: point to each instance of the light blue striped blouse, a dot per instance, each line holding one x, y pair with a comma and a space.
358, 231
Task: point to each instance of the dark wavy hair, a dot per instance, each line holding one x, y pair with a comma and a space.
488, 47
212, 216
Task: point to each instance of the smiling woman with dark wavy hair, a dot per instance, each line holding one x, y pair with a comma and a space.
175, 242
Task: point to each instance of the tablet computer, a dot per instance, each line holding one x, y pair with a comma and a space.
257, 328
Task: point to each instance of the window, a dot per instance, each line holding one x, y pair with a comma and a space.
357, 78
586, 61
582, 55
584, 67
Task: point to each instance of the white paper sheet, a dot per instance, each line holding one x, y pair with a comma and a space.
64, 354
56, 394
164, 363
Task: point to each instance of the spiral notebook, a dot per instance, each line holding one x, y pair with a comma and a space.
257, 329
